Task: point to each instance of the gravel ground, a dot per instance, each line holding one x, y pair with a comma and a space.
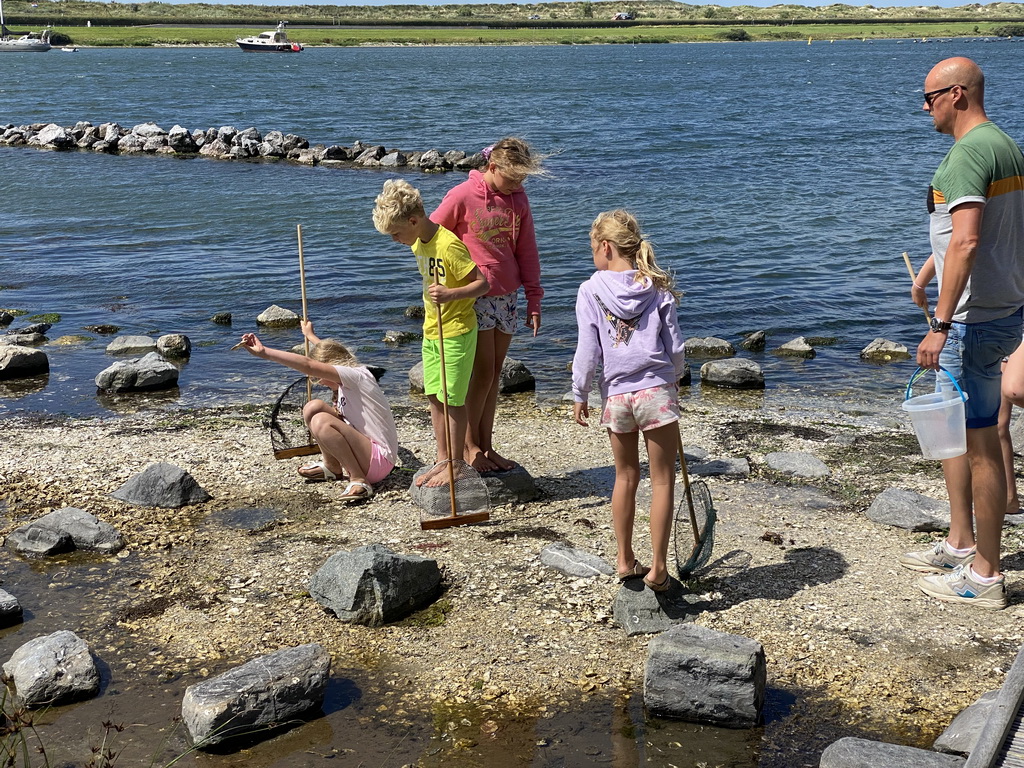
797, 565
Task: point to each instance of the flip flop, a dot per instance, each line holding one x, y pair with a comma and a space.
661, 587
635, 572
349, 497
318, 471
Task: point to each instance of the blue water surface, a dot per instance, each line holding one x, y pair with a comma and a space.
779, 181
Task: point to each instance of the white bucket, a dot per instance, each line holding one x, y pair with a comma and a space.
939, 420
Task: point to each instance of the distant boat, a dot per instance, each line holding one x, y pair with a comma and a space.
275, 41
31, 41
69, 49
808, 41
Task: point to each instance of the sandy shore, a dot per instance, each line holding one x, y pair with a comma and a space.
797, 566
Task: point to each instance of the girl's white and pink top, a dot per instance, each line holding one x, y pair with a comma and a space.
498, 231
364, 406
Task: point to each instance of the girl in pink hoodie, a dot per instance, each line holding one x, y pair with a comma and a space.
491, 215
628, 326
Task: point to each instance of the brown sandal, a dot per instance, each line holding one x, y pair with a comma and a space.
659, 587
636, 572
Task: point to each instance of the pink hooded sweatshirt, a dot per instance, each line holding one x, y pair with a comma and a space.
498, 231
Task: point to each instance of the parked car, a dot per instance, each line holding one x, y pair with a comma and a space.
626, 16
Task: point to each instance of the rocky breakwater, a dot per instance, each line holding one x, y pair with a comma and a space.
229, 143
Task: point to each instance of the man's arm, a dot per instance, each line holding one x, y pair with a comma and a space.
956, 269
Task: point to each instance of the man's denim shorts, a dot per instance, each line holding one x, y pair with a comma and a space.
973, 355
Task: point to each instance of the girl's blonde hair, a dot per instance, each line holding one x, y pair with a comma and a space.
398, 201
621, 229
333, 353
514, 158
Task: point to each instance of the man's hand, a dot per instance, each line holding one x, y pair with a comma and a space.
929, 348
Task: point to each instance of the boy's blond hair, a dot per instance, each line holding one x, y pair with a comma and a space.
333, 353
398, 201
621, 228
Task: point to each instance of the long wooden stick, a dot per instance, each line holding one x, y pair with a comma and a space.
913, 279
444, 400
686, 488
305, 314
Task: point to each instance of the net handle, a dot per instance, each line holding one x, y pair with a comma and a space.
686, 486
913, 279
305, 314
444, 399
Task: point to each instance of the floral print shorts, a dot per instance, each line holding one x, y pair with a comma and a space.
497, 312
643, 410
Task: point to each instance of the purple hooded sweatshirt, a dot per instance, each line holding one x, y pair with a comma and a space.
628, 328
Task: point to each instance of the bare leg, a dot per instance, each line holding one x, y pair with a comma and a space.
476, 401
457, 429
1006, 446
957, 472
626, 452
988, 487
502, 341
342, 445
661, 454
1013, 394
311, 409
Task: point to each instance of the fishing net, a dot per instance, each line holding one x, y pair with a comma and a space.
289, 435
694, 536
467, 501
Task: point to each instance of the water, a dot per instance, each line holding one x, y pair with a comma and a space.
780, 181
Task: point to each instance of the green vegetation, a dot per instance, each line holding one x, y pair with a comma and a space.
47, 317
225, 36
586, 21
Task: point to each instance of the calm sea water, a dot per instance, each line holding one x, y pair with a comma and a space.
779, 181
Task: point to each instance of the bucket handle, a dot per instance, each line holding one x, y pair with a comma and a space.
921, 372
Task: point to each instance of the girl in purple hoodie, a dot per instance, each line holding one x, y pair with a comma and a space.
491, 215
626, 314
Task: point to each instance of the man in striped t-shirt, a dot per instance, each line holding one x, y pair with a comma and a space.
976, 206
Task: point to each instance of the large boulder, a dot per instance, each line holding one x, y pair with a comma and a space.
515, 377
575, 562
53, 669
278, 317
733, 374
149, 372
910, 510
710, 346
131, 345
176, 345
17, 362
704, 676
796, 464
853, 752
264, 693
85, 531
884, 351
10, 609
162, 485
372, 585
53, 136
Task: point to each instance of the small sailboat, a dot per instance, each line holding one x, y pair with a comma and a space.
11, 42
808, 41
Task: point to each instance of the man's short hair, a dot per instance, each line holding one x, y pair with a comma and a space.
398, 201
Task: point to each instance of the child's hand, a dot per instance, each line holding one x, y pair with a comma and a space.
307, 328
253, 344
533, 321
439, 294
580, 411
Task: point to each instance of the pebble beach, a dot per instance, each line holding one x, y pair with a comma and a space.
851, 644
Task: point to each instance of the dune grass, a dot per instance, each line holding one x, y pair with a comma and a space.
335, 36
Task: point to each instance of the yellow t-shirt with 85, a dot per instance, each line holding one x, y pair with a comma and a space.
448, 258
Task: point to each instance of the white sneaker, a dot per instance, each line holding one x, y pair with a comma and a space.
960, 586
938, 559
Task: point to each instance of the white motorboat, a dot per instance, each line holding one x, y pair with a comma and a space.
275, 41
14, 43
69, 49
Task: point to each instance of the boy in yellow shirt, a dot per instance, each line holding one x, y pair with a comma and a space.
451, 282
